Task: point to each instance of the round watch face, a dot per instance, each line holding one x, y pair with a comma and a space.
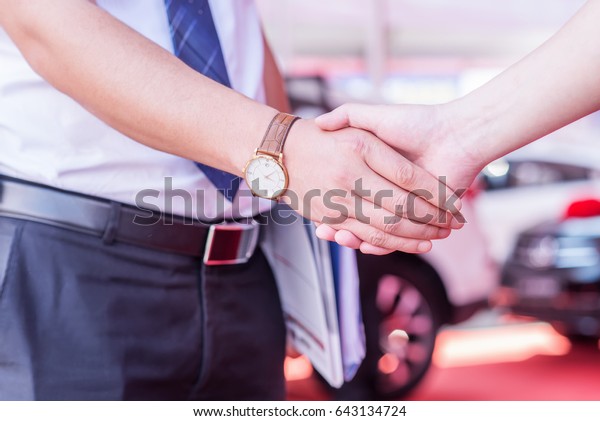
266, 177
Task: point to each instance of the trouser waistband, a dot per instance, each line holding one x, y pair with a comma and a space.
226, 243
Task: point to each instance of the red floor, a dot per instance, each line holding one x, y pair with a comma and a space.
514, 362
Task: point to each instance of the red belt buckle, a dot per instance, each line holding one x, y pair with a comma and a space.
231, 244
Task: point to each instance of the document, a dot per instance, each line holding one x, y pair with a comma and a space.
333, 340
352, 331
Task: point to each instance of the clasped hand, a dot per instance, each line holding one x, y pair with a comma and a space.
370, 180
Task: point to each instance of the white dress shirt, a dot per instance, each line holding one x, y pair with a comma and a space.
47, 137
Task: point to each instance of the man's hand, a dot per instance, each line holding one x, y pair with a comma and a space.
426, 135
354, 182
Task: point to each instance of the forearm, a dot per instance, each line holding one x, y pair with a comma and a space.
133, 84
553, 86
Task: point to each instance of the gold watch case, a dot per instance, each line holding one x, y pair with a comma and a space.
255, 175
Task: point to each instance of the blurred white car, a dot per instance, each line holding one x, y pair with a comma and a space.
537, 183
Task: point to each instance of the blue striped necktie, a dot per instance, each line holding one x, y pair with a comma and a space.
196, 43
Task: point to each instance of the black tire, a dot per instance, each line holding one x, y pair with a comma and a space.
400, 293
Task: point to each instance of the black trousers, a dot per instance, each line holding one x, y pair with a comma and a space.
84, 320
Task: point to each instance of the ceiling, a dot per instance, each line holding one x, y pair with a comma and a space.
413, 27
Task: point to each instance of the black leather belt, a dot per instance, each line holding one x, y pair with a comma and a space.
217, 244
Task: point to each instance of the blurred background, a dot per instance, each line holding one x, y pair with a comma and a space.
509, 307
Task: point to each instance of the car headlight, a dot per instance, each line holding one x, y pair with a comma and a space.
541, 252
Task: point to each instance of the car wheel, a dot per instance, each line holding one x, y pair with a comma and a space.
403, 307
407, 333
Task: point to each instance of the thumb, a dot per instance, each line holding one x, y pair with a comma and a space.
360, 116
334, 120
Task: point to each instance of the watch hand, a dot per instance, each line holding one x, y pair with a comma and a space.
268, 176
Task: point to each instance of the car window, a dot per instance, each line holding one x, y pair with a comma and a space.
503, 174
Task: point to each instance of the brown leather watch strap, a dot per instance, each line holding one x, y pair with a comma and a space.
276, 134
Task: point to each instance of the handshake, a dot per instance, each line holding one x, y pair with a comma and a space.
381, 178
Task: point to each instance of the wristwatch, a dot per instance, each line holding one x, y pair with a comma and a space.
265, 172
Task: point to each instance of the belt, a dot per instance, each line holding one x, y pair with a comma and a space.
218, 244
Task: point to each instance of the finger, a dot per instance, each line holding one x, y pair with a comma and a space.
380, 239
367, 248
344, 235
325, 232
347, 239
360, 116
369, 213
391, 165
395, 201
401, 226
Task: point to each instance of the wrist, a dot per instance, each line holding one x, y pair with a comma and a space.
265, 172
250, 139
449, 148
295, 147
464, 133
302, 154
